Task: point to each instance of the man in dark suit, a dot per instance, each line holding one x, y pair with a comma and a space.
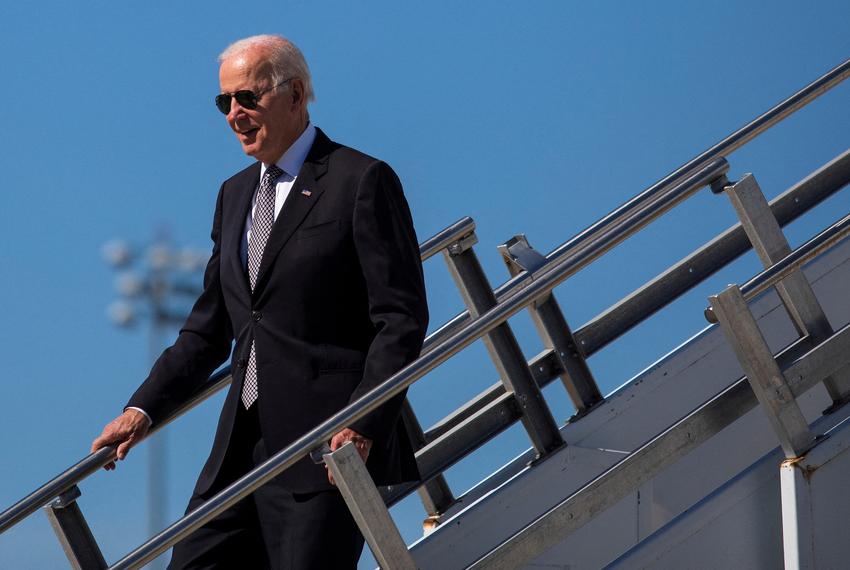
315, 274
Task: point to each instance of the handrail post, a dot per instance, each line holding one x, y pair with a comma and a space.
73, 531
553, 328
368, 508
503, 347
435, 494
763, 373
796, 293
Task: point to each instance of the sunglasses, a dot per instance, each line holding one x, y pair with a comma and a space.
245, 97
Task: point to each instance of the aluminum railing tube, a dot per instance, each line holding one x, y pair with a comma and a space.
723, 148
790, 263
707, 260
56, 486
446, 237
794, 260
548, 278
729, 144
94, 461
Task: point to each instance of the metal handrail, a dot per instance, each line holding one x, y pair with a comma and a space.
655, 192
548, 278
94, 461
648, 298
446, 237
771, 276
707, 260
794, 260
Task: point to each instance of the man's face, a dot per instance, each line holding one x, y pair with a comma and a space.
267, 131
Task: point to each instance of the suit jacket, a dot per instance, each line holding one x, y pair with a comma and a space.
339, 306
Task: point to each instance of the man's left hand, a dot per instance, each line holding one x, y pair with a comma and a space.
361, 443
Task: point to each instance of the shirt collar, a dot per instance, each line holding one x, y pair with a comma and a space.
295, 155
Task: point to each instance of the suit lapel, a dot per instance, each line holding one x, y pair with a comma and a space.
302, 197
242, 207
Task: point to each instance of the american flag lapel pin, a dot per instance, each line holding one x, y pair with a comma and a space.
306, 192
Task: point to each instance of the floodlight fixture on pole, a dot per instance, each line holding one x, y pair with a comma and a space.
157, 282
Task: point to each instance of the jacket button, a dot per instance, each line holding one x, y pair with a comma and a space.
241, 363
256, 315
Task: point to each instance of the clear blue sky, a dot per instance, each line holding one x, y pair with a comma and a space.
529, 117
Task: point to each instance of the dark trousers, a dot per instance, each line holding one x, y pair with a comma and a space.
273, 528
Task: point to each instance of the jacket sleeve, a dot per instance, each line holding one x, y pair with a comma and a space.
203, 344
388, 253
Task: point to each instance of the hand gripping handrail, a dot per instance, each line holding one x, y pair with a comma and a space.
94, 461
549, 277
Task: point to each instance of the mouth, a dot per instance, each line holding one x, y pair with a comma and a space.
247, 133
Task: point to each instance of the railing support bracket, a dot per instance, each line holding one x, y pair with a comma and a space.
73, 531
763, 373
795, 291
368, 509
553, 328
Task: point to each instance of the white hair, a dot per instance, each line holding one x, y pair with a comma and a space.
285, 59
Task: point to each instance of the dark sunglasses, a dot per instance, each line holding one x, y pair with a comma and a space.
245, 97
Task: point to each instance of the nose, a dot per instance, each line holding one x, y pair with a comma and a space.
236, 111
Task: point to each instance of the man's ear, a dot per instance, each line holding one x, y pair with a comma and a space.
297, 92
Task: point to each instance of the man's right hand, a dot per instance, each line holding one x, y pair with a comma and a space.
125, 431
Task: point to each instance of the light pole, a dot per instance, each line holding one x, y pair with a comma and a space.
157, 282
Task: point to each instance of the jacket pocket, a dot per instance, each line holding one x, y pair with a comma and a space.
336, 359
317, 229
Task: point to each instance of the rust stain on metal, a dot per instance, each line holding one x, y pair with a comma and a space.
806, 470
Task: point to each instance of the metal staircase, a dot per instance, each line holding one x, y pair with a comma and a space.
567, 496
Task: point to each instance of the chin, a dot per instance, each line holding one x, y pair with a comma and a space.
250, 150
